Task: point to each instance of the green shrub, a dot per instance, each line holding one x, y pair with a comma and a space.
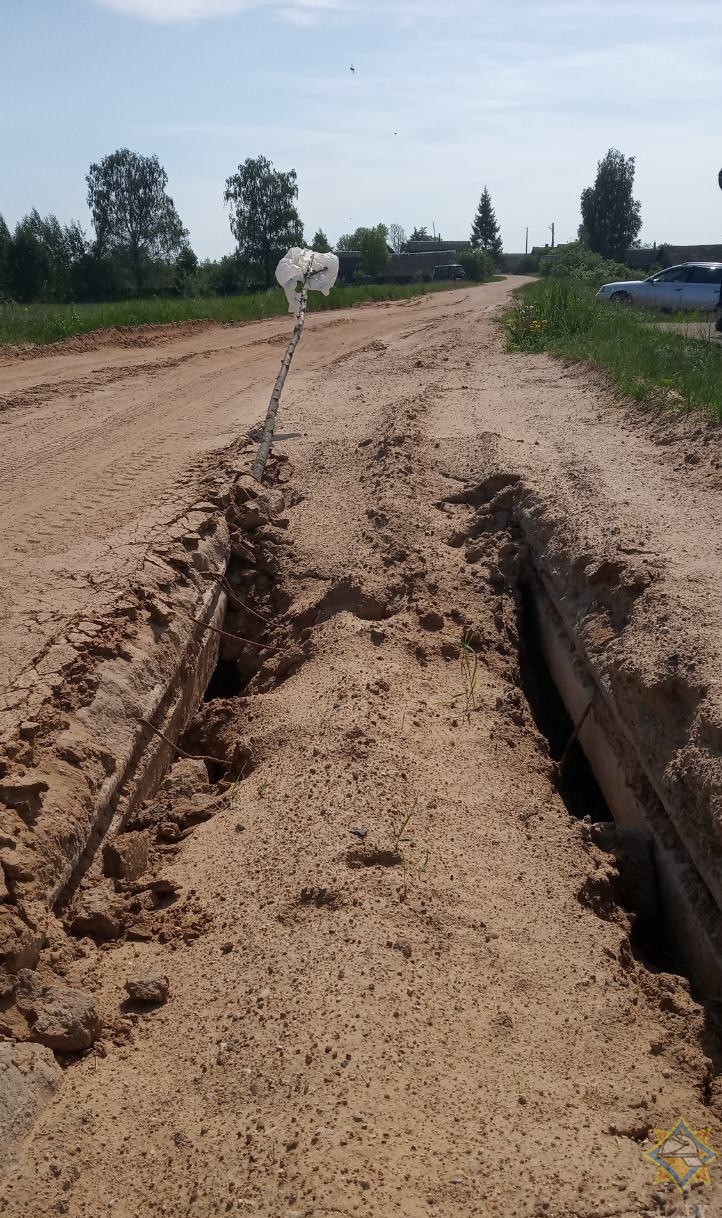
575, 261
646, 362
528, 264
478, 265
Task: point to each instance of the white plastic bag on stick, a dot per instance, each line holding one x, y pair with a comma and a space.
319, 270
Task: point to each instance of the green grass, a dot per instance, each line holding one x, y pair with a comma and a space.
47, 323
648, 364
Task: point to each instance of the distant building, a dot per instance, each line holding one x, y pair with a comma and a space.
417, 266
417, 260
642, 259
509, 262
431, 245
670, 255
412, 267
349, 261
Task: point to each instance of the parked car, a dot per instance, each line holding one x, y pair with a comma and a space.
452, 270
691, 286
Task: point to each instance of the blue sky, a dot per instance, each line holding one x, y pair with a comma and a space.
523, 95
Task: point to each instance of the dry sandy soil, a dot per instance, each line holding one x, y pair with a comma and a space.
400, 982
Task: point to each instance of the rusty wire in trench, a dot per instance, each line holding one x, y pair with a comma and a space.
575, 734
269, 426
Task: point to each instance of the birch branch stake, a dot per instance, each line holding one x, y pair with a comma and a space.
264, 447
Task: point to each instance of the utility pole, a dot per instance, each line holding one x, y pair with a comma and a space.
552, 228
526, 243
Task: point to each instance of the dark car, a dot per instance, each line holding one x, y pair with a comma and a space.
452, 270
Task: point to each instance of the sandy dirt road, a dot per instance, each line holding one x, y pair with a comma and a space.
399, 979
96, 444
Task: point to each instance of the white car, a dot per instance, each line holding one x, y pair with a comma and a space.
691, 286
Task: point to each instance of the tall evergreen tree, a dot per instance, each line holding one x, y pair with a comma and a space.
5, 243
320, 242
611, 216
485, 230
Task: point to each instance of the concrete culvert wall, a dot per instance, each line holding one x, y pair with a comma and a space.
632, 731
86, 809
219, 645
688, 917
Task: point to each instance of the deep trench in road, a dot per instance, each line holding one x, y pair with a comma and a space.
377, 797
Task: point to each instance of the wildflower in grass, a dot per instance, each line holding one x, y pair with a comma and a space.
649, 364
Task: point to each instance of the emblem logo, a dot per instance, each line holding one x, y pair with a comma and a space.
681, 1155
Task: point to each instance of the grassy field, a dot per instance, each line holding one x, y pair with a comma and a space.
647, 362
46, 323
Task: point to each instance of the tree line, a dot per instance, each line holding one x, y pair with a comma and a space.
611, 216
140, 247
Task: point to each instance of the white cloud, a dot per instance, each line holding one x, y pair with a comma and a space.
307, 12
167, 12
